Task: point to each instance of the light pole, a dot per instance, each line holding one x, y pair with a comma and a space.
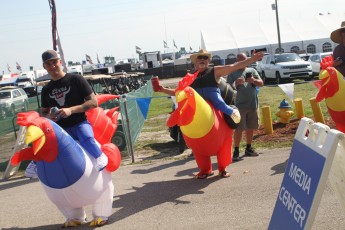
275, 7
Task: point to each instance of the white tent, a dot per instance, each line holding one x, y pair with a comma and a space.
223, 40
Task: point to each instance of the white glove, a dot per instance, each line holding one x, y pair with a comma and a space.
102, 162
236, 117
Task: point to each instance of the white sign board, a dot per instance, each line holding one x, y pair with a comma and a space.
307, 170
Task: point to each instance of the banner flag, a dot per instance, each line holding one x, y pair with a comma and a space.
137, 50
165, 44
18, 67
53, 11
144, 104
8, 68
55, 35
62, 56
98, 59
288, 89
175, 44
88, 58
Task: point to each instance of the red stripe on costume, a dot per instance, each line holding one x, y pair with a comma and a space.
339, 119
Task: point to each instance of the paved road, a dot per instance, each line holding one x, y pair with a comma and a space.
164, 195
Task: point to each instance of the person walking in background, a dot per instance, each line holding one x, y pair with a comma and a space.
338, 36
246, 81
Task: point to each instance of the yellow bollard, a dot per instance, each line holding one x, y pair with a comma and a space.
299, 108
315, 106
266, 114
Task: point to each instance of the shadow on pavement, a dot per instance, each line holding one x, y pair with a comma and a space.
156, 193
19, 181
279, 168
161, 167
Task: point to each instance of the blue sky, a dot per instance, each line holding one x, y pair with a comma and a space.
115, 27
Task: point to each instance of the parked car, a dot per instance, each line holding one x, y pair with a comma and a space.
315, 60
305, 56
12, 100
27, 85
284, 68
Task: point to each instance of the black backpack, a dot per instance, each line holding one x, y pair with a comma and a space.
227, 92
229, 95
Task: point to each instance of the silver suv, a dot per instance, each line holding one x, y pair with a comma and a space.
12, 100
315, 60
284, 67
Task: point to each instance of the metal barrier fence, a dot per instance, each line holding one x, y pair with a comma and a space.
131, 120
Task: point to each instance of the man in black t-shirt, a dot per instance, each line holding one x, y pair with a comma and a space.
70, 95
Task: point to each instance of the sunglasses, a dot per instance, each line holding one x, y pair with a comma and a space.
202, 57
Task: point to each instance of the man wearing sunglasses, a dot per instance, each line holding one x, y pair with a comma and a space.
206, 84
208, 79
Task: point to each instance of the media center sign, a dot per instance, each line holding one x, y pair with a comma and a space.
305, 177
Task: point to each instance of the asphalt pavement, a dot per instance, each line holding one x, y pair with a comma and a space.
165, 195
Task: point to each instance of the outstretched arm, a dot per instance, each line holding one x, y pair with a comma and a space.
170, 92
157, 87
220, 71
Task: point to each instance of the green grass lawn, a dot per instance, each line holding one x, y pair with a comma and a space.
268, 96
272, 96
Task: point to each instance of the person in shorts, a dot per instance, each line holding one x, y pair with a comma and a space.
247, 82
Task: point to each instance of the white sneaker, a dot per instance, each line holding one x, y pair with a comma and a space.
102, 162
31, 170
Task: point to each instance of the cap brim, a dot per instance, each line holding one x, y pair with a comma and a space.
55, 58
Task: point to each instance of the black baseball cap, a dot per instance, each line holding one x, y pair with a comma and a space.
49, 55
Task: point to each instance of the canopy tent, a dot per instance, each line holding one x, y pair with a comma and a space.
225, 39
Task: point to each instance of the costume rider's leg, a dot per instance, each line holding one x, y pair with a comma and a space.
84, 134
213, 95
